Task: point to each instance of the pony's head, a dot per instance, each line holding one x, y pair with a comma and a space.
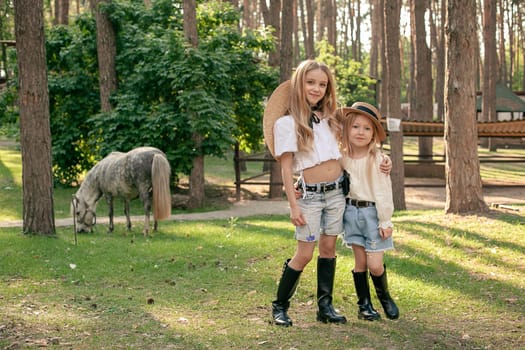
84, 217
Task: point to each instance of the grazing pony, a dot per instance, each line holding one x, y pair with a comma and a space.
143, 172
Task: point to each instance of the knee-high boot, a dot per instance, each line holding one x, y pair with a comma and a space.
362, 288
287, 286
381, 285
325, 286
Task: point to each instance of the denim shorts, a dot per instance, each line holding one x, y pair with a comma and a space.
362, 228
323, 212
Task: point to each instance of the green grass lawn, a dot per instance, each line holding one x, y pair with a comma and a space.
458, 281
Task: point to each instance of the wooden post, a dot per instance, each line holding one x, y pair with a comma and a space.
236, 164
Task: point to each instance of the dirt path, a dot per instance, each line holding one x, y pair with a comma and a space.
416, 198
434, 197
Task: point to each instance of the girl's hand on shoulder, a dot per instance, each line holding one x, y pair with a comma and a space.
386, 165
385, 233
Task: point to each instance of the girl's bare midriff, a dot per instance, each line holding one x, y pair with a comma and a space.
328, 171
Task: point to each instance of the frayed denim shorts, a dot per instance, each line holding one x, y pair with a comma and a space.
362, 229
323, 212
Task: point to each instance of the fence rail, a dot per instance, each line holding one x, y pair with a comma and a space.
409, 159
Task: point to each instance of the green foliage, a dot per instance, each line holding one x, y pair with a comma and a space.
73, 96
8, 106
168, 92
352, 84
8, 93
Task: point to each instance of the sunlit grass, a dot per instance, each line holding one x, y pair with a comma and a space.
209, 284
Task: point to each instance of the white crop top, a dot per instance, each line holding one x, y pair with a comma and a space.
325, 146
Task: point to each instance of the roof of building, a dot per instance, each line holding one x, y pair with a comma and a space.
506, 100
514, 128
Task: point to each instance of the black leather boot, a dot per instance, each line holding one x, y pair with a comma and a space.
381, 285
325, 286
286, 289
366, 309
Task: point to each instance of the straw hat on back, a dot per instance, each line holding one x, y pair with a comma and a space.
366, 110
277, 106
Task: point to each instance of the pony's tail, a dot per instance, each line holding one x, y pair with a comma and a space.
160, 179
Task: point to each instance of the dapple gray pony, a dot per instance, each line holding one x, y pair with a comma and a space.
143, 172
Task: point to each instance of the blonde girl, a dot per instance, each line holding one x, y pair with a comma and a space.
301, 130
367, 218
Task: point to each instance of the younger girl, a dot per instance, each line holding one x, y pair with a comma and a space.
368, 229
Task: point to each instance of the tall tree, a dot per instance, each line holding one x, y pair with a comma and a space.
490, 64
304, 29
330, 16
285, 69
392, 73
502, 46
197, 171
463, 181
106, 54
310, 18
382, 50
272, 17
61, 12
286, 54
438, 39
357, 55
376, 35
521, 39
35, 131
422, 88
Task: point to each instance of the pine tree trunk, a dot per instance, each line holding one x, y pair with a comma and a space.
196, 199
490, 66
440, 59
375, 35
286, 58
463, 180
422, 88
392, 12
35, 132
106, 53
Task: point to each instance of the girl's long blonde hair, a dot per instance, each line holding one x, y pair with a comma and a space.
301, 110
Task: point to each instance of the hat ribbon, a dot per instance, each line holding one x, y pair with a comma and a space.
367, 110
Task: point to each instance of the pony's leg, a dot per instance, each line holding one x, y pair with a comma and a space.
146, 201
126, 212
109, 200
146, 224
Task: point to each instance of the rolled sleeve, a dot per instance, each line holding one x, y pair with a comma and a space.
284, 136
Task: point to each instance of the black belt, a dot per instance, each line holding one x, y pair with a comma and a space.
359, 204
323, 187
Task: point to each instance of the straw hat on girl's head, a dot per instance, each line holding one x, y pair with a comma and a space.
276, 107
366, 110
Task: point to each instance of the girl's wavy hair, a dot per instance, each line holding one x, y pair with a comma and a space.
301, 110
